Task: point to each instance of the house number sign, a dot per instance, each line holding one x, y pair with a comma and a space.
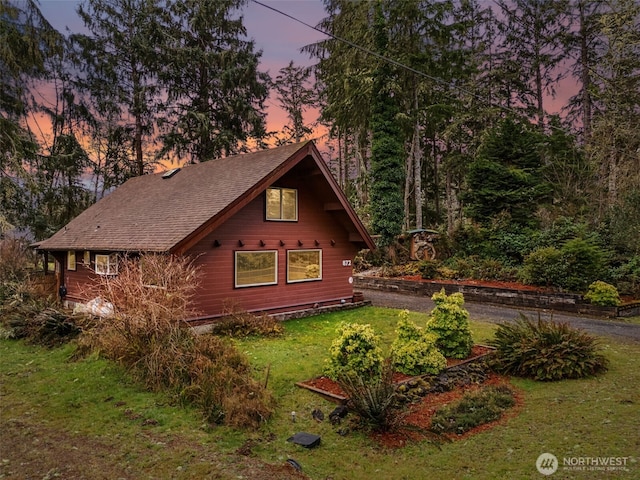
346, 263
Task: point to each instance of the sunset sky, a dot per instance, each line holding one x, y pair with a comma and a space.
279, 37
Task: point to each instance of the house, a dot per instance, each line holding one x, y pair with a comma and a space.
271, 231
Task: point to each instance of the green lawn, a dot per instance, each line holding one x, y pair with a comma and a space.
574, 419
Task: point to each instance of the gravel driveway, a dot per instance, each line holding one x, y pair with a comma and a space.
498, 314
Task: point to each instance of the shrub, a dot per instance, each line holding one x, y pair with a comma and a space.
545, 351
428, 269
544, 266
414, 351
374, 400
147, 336
603, 294
447, 273
480, 268
584, 261
236, 322
15, 259
450, 322
474, 409
627, 276
356, 351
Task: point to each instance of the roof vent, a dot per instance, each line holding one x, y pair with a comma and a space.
170, 173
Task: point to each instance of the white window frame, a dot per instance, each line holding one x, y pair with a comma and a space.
318, 278
280, 217
239, 253
111, 264
71, 260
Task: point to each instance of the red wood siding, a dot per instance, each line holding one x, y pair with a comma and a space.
217, 263
78, 281
250, 227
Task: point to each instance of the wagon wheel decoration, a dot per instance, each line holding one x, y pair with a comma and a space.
425, 251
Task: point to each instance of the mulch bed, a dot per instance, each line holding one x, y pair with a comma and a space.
420, 416
324, 384
418, 420
481, 283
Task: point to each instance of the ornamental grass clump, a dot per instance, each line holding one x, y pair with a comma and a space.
356, 351
414, 350
148, 336
546, 351
374, 400
450, 323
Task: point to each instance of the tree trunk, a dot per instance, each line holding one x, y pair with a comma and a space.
417, 176
585, 76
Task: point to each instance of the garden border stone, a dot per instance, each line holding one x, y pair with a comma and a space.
558, 301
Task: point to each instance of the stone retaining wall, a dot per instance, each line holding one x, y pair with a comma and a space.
566, 302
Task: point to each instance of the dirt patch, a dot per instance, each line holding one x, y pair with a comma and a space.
31, 449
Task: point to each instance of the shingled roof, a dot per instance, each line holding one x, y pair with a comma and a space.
155, 214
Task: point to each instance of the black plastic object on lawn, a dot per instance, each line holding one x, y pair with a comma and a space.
307, 440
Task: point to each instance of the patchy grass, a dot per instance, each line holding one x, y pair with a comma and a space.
43, 392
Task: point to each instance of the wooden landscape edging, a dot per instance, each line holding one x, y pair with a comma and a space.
559, 301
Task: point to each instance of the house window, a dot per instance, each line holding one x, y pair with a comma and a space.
282, 204
107, 264
256, 268
304, 265
87, 257
71, 260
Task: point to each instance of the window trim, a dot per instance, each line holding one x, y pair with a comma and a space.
237, 253
71, 260
112, 264
266, 206
319, 278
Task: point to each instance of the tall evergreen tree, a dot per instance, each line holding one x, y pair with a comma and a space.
533, 33
118, 63
583, 45
614, 144
28, 41
215, 92
506, 176
387, 155
295, 96
343, 75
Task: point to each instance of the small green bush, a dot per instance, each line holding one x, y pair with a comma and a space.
544, 266
545, 351
573, 266
584, 261
603, 294
414, 351
356, 351
428, 269
473, 409
450, 322
627, 276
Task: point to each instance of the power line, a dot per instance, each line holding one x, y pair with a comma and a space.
393, 62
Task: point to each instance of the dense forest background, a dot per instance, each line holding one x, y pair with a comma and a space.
436, 113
